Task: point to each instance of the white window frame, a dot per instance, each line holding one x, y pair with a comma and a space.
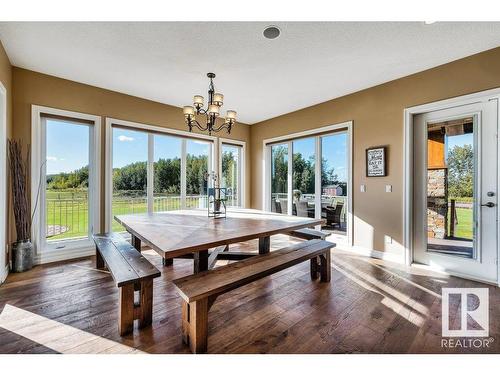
152, 129
242, 161
4, 267
288, 140
65, 249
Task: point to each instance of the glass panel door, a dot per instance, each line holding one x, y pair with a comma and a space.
334, 182
303, 184
231, 170
279, 178
455, 190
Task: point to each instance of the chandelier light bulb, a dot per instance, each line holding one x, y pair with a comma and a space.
218, 99
198, 101
188, 111
213, 109
231, 115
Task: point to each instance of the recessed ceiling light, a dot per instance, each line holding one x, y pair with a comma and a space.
272, 32
429, 22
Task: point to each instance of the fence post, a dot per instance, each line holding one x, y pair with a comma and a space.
452, 218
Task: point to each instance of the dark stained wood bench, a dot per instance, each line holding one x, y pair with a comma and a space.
199, 291
308, 234
132, 273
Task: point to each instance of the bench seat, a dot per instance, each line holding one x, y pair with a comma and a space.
199, 291
132, 273
308, 234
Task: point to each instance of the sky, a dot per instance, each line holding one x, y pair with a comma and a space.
334, 149
68, 146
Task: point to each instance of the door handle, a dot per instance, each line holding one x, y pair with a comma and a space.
488, 204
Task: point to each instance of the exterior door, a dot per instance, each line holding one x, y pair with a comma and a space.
455, 190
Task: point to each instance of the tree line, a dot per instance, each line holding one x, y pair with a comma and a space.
303, 173
167, 176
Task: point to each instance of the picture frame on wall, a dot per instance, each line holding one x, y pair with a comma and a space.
376, 165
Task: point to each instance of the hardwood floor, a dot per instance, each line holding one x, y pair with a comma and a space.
370, 306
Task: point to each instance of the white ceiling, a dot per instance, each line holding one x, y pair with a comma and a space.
311, 62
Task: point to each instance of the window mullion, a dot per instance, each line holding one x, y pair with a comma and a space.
183, 174
290, 179
150, 174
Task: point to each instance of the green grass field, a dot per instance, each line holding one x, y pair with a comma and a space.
464, 227
67, 211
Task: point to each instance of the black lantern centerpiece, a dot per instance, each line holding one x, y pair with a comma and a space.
217, 198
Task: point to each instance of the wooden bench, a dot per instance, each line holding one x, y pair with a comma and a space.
199, 291
308, 234
132, 273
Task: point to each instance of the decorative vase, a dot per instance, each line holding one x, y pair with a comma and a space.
22, 256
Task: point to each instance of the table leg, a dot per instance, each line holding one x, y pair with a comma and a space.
201, 261
136, 242
168, 262
264, 245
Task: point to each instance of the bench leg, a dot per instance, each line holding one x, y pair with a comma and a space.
326, 267
99, 261
314, 268
195, 325
126, 309
185, 322
146, 303
198, 326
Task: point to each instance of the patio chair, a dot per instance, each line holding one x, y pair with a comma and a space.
277, 206
334, 214
303, 209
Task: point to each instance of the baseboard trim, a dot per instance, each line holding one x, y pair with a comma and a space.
56, 256
384, 255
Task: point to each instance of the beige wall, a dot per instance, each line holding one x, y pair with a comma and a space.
377, 115
6, 79
35, 88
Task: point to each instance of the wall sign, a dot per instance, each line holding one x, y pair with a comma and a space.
375, 162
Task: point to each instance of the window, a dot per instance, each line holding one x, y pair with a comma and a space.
65, 180
130, 159
155, 170
231, 173
167, 173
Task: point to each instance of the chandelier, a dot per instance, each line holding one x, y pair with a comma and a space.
211, 113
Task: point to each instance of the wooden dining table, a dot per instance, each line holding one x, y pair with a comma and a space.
191, 233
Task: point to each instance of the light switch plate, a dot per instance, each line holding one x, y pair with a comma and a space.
388, 188
363, 188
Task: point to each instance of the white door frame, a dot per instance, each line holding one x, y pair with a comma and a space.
288, 139
4, 268
242, 173
408, 161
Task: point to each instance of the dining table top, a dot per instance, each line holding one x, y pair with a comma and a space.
176, 233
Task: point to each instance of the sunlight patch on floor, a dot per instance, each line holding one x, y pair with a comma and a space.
389, 300
59, 337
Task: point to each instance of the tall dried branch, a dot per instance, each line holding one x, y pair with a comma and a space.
20, 180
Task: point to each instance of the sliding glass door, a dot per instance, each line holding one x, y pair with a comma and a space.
314, 181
